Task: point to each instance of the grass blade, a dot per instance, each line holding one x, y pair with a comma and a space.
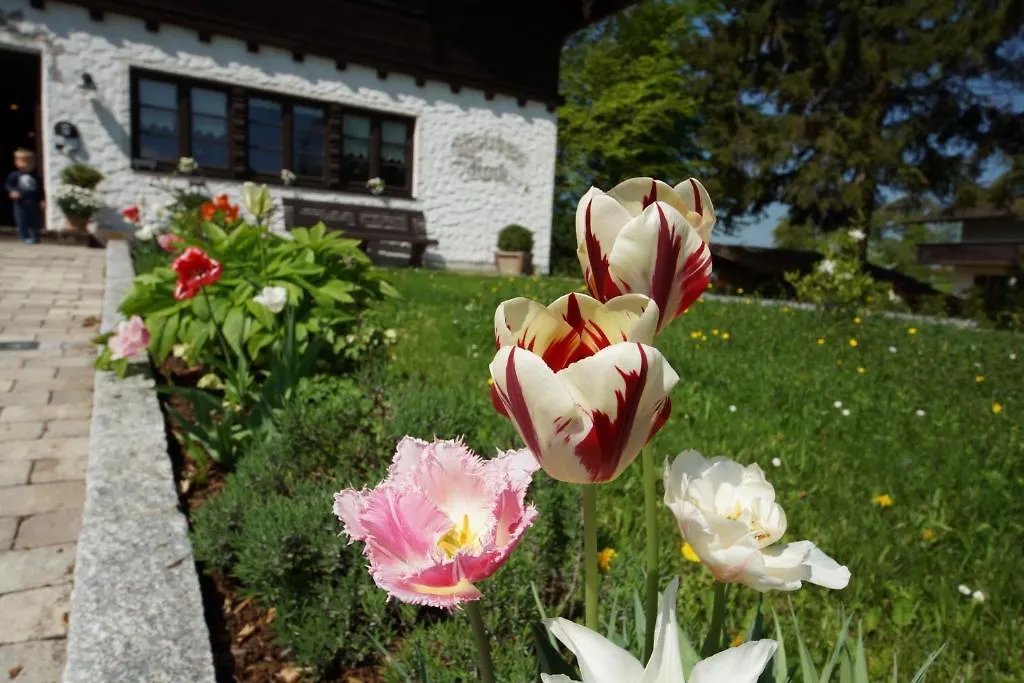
640, 623
688, 652
837, 651
895, 670
780, 667
810, 673
919, 675
846, 667
860, 665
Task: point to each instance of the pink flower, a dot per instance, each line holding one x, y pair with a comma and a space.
170, 242
131, 338
442, 520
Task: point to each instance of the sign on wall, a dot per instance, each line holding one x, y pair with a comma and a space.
353, 218
490, 158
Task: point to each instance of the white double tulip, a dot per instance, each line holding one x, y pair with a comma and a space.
601, 661
728, 515
274, 299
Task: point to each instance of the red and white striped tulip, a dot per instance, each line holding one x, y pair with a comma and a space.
575, 326
586, 422
644, 236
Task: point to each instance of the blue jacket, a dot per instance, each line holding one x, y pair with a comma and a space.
28, 184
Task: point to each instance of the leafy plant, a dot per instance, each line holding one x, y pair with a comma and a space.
81, 175
77, 202
515, 238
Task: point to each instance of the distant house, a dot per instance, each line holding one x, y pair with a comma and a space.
450, 102
991, 247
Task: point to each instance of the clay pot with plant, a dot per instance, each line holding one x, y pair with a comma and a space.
515, 250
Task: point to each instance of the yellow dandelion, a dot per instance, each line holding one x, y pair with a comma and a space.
739, 290
604, 559
821, 341
927, 535
853, 343
725, 336
856, 321
704, 337
715, 331
687, 550
911, 330
737, 641
490, 381
997, 408
861, 371
979, 378
883, 501
786, 309
695, 334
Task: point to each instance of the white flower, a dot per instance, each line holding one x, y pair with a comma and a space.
857, 235
838, 404
1013, 356
892, 349
146, 232
894, 297
728, 515
920, 413
272, 298
287, 177
602, 661
846, 412
375, 185
179, 350
257, 199
978, 596
390, 335
827, 266
964, 590
187, 165
1012, 282
777, 462
732, 409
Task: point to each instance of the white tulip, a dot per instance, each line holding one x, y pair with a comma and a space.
728, 515
147, 232
257, 199
273, 299
602, 661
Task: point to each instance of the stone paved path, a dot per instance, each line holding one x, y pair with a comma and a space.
49, 294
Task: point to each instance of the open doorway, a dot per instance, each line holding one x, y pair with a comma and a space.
20, 117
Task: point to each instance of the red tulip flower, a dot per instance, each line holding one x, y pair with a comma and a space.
208, 210
195, 270
131, 214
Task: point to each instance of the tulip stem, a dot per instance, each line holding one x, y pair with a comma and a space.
593, 583
713, 642
483, 646
651, 521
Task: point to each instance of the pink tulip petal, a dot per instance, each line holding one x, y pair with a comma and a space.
437, 586
402, 528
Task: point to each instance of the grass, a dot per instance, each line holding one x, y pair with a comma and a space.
930, 416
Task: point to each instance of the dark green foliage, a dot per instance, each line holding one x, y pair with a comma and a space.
81, 175
515, 238
826, 107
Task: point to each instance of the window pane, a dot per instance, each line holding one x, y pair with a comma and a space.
158, 121
307, 130
264, 137
265, 161
392, 154
357, 127
210, 102
393, 132
264, 111
158, 147
309, 165
210, 154
393, 174
158, 94
209, 128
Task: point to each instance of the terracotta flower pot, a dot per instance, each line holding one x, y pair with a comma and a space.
511, 262
77, 224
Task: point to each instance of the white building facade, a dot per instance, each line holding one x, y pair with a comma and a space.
140, 94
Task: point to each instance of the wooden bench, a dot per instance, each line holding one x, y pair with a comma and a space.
365, 223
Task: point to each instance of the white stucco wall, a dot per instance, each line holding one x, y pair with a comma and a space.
463, 214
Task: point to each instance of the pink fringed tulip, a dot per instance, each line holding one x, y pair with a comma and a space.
442, 520
587, 422
131, 338
170, 242
575, 326
646, 237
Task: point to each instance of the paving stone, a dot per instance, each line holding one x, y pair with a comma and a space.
38, 498
19, 431
31, 374
36, 449
14, 472
37, 661
24, 398
66, 428
78, 361
24, 569
52, 385
70, 373
49, 528
34, 614
83, 396
57, 469
64, 411
8, 527
10, 362
6, 385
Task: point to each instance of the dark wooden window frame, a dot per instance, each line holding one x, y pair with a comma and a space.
238, 133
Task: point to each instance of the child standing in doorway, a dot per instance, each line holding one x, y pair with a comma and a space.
26, 192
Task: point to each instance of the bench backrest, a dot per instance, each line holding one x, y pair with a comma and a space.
356, 221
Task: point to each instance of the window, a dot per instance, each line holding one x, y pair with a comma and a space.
243, 133
177, 119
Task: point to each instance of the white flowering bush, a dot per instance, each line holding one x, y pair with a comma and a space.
77, 202
839, 282
375, 185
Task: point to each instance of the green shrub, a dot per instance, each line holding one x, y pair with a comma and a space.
838, 282
81, 175
515, 238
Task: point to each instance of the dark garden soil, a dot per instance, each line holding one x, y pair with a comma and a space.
241, 631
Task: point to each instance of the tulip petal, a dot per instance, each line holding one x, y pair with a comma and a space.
600, 660
624, 390
402, 527
666, 663
698, 201
560, 678
636, 194
599, 218
825, 571
658, 253
438, 586
743, 664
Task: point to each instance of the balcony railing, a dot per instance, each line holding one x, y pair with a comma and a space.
970, 254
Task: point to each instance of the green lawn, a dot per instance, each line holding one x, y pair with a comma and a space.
759, 383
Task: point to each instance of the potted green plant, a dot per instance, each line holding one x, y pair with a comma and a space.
78, 204
81, 175
515, 250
